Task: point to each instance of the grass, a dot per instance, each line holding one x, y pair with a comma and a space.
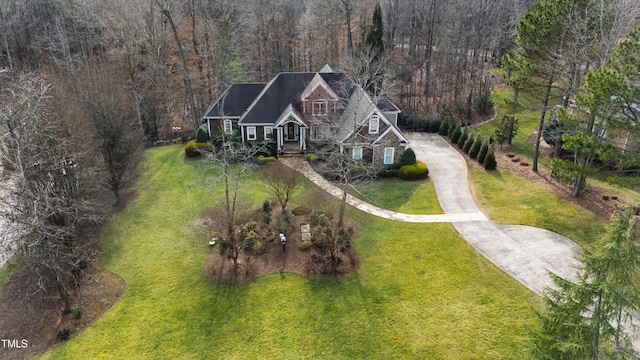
421, 291
410, 197
509, 199
8, 269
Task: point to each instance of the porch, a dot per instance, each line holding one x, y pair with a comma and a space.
291, 138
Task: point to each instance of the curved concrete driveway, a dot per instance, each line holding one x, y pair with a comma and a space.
526, 253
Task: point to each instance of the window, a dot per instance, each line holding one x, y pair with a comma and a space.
228, 128
268, 133
357, 154
389, 155
320, 107
374, 124
251, 133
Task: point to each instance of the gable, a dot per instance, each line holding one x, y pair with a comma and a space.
318, 88
282, 91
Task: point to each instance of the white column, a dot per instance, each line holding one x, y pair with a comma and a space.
279, 135
303, 145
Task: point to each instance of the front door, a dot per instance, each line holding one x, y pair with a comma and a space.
291, 132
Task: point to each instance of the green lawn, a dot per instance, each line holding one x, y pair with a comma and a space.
410, 197
421, 291
8, 269
509, 199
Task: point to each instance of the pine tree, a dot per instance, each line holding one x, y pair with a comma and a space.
589, 318
467, 145
376, 33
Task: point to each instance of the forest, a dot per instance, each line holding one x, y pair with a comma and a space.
174, 58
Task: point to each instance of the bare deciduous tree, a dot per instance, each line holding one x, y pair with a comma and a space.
118, 135
53, 199
282, 181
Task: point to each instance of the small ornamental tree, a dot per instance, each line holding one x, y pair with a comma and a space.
483, 152
489, 162
475, 148
408, 157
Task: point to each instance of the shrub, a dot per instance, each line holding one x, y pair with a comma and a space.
64, 334
201, 136
483, 152
467, 145
266, 205
305, 245
452, 128
249, 235
433, 125
193, 148
444, 128
414, 172
483, 104
263, 160
455, 135
258, 248
408, 157
312, 158
464, 136
301, 210
282, 222
489, 162
388, 173
77, 313
475, 148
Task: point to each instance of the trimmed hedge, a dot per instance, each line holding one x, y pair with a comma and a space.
414, 172
263, 160
192, 148
312, 158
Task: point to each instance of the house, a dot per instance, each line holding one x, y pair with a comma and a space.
300, 111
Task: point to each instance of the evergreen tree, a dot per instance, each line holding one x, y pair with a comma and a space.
475, 148
589, 318
456, 134
464, 136
483, 152
467, 144
376, 33
408, 157
489, 162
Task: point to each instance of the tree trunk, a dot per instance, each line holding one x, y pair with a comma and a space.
544, 112
185, 70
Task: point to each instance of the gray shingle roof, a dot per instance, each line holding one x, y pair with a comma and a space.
235, 100
286, 89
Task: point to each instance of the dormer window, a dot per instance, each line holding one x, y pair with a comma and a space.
374, 124
319, 107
